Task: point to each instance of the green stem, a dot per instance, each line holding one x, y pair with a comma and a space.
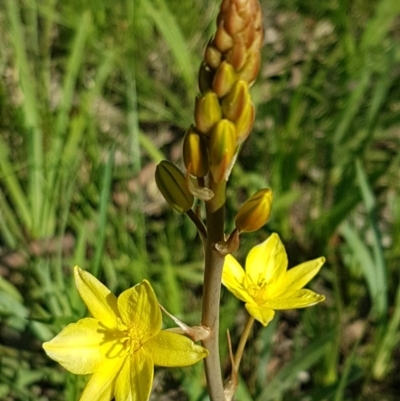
242, 342
214, 262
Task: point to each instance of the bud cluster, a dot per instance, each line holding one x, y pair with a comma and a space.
224, 113
223, 118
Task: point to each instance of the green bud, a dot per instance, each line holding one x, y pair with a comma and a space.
207, 112
255, 212
222, 150
172, 184
195, 155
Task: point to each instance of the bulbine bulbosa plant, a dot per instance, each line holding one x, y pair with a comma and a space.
123, 340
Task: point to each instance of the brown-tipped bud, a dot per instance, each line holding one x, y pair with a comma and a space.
172, 184
244, 124
222, 40
233, 20
207, 112
237, 56
222, 150
205, 78
235, 101
224, 79
195, 155
255, 212
212, 57
251, 68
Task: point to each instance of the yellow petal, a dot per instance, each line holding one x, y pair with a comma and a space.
171, 349
139, 307
297, 277
81, 347
267, 262
101, 386
135, 378
102, 304
296, 299
233, 277
263, 315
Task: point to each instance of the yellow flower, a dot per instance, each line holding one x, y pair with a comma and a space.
121, 343
267, 285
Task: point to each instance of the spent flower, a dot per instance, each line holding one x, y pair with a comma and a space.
120, 345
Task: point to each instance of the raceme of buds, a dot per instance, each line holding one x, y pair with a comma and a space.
207, 112
238, 38
255, 212
224, 113
222, 150
172, 184
195, 154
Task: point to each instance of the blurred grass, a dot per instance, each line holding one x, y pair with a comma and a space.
93, 94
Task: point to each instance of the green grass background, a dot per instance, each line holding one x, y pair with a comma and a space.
94, 93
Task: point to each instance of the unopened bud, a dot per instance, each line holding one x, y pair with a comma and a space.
251, 67
245, 122
255, 212
212, 57
222, 150
235, 101
224, 79
207, 112
172, 184
237, 56
205, 78
222, 40
195, 155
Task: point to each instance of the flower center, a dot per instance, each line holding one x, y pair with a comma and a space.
258, 291
132, 338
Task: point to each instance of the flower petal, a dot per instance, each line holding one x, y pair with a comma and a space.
267, 261
171, 349
81, 347
102, 304
101, 386
263, 315
297, 277
139, 308
135, 379
233, 277
296, 299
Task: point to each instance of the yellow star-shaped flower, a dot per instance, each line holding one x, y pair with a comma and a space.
267, 285
121, 343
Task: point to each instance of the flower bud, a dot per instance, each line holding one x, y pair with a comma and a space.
195, 155
172, 184
222, 40
237, 56
224, 79
205, 78
255, 212
245, 122
222, 150
212, 57
235, 101
207, 112
234, 22
251, 67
